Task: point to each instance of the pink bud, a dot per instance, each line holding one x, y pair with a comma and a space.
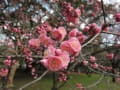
97, 30
85, 62
77, 12
95, 65
86, 28
110, 56
81, 38
93, 25
117, 17
106, 29
73, 33
92, 59
9, 57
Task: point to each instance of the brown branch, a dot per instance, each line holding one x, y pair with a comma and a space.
20, 56
105, 49
111, 33
34, 81
88, 42
97, 82
103, 9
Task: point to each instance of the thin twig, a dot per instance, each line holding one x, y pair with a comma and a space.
111, 33
93, 38
104, 14
21, 56
34, 81
99, 80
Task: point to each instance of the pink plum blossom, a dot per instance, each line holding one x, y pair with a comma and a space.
46, 41
58, 52
44, 61
77, 12
93, 25
72, 59
72, 46
117, 17
43, 32
56, 63
110, 56
73, 33
95, 65
65, 59
109, 68
3, 72
75, 45
34, 43
52, 63
7, 62
80, 86
85, 62
97, 30
87, 28
59, 33
92, 59
42, 37
50, 51
9, 57
106, 29
65, 46
81, 38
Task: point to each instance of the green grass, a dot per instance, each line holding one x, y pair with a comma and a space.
46, 82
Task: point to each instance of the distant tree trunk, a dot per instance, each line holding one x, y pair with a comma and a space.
54, 81
12, 74
113, 77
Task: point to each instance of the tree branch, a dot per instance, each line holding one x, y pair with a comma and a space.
34, 81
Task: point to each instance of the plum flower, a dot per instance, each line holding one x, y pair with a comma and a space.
65, 46
73, 33
117, 17
7, 62
110, 56
80, 86
58, 52
46, 41
65, 59
87, 28
59, 33
72, 46
56, 63
4, 72
33, 43
42, 37
43, 32
44, 62
81, 38
92, 59
77, 12
85, 62
95, 65
97, 30
52, 63
50, 51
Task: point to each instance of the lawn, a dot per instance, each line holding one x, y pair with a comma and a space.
46, 82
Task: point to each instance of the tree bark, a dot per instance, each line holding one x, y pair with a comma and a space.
54, 81
12, 74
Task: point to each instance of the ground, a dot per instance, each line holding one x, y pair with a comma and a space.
22, 78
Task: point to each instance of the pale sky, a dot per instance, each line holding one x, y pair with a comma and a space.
111, 1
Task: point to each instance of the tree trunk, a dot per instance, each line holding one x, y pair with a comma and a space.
12, 74
54, 81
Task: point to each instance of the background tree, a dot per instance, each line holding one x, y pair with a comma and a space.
77, 27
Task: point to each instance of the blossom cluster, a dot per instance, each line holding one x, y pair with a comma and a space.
57, 58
